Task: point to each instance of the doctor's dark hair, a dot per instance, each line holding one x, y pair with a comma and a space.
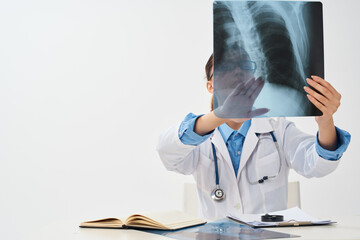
208, 66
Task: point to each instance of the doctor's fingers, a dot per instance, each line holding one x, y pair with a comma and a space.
327, 98
322, 99
248, 85
326, 85
253, 86
238, 89
328, 109
257, 90
324, 88
330, 101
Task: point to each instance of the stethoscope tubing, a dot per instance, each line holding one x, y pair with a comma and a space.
217, 181
264, 178
216, 165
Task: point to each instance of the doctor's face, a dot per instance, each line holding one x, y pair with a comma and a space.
234, 68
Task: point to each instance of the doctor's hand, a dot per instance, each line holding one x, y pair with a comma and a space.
327, 101
238, 105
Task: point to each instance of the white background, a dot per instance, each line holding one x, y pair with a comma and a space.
86, 87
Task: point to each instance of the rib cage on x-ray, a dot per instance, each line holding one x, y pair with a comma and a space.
267, 37
275, 35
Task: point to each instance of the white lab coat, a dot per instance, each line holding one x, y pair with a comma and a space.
259, 158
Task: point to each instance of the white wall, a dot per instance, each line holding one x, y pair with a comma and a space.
338, 193
87, 86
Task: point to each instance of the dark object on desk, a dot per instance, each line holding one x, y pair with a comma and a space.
272, 218
222, 229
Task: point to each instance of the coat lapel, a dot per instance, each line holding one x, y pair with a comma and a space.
233, 195
258, 125
219, 143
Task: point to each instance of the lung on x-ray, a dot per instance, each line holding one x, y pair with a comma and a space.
263, 53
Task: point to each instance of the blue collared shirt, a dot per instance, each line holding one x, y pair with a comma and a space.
234, 140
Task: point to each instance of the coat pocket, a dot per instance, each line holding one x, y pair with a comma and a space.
267, 166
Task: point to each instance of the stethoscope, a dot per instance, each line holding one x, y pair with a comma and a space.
218, 194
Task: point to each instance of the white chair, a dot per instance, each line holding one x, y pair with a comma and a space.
293, 195
191, 201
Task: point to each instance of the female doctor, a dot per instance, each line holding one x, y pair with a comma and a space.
242, 165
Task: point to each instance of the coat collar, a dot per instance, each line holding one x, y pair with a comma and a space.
261, 125
220, 146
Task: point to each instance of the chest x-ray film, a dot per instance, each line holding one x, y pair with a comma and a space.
263, 53
222, 229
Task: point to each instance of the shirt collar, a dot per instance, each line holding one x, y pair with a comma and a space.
226, 131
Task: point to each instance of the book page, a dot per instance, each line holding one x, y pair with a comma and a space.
164, 220
106, 223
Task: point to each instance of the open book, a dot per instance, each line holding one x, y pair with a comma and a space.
292, 217
171, 220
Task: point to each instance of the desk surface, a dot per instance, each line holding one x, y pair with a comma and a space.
346, 228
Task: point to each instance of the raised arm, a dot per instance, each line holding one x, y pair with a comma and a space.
327, 102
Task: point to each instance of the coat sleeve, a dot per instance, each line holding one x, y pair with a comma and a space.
175, 155
300, 152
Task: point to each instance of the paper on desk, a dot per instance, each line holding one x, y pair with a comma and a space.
290, 215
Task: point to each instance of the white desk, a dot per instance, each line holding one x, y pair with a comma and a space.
346, 228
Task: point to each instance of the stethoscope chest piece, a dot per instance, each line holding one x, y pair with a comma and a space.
218, 194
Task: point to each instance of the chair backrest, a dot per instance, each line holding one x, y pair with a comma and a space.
293, 195
191, 201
